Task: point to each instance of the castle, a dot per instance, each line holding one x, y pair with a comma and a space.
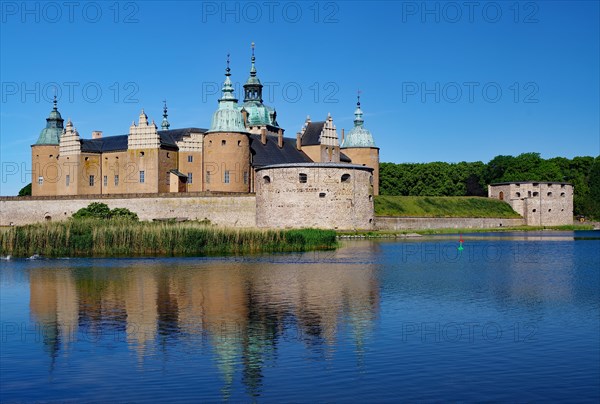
243, 140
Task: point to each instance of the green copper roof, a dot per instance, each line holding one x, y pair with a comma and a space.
165, 123
228, 117
50, 135
358, 136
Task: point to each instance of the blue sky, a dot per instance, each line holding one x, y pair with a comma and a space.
440, 81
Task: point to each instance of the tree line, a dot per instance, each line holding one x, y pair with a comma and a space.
472, 179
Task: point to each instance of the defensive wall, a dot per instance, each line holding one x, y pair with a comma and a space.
238, 210
422, 223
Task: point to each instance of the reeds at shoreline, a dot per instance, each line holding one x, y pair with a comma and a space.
121, 238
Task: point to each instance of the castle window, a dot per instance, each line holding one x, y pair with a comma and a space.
562, 194
549, 193
535, 210
87, 158
91, 180
529, 194
168, 178
549, 210
116, 180
40, 180
240, 143
223, 142
346, 178
105, 180
535, 184
501, 195
208, 177
67, 180
51, 156
370, 198
536, 193
190, 159
518, 194
266, 179
303, 178
322, 195
562, 185
245, 177
190, 178
142, 177
226, 177
168, 155
142, 154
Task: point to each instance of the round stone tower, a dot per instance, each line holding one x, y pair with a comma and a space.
227, 146
358, 144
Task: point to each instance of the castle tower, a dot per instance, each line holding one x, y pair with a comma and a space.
227, 146
70, 156
46, 172
358, 144
165, 123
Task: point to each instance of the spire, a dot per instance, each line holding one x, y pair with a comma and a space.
227, 86
358, 114
54, 126
227, 118
253, 87
165, 123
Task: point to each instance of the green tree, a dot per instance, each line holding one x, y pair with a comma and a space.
26, 190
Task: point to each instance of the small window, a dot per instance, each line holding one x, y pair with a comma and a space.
208, 177
240, 143
346, 178
518, 194
51, 156
529, 194
142, 177
190, 159
535, 184
370, 198
168, 178
116, 180
562, 194
67, 180
245, 177
266, 179
190, 178
40, 180
142, 154
501, 195
91, 180
549, 193
549, 210
226, 177
322, 195
536, 193
535, 210
87, 158
168, 155
105, 180
303, 178
223, 142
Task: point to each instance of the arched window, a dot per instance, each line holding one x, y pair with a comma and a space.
518, 194
549, 193
562, 194
266, 179
501, 195
346, 178
303, 178
536, 193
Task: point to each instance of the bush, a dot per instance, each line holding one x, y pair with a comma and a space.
97, 210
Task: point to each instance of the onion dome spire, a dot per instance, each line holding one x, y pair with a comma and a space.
165, 123
358, 136
50, 135
227, 118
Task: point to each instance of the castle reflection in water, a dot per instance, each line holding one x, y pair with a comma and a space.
241, 311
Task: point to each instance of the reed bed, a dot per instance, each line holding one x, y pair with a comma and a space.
110, 238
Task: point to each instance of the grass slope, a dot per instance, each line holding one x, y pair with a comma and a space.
442, 206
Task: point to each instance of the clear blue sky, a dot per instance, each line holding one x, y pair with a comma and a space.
429, 72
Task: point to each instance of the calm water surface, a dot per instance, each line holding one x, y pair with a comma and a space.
512, 317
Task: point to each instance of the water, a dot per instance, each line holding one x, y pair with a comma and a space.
512, 317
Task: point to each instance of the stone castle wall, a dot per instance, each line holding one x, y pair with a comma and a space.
330, 196
231, 210
420, 223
